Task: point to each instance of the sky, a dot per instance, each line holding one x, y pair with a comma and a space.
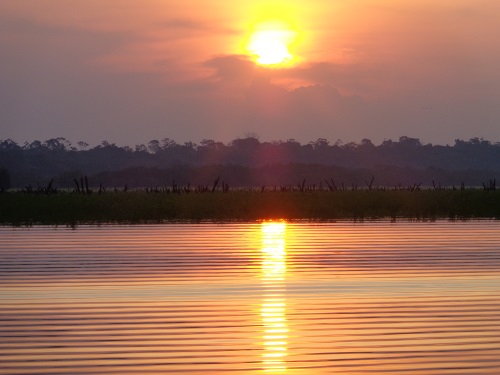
129, 71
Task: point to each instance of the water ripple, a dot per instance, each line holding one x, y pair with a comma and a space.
269, 298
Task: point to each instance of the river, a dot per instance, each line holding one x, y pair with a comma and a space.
258, 298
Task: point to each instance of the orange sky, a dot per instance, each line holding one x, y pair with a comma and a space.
129, 71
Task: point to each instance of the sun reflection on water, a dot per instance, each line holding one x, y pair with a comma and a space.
273, 309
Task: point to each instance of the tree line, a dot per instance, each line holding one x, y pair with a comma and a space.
248, 162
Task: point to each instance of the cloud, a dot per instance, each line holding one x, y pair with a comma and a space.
184, 23
349, 78
316, 109
233, 68
189, 24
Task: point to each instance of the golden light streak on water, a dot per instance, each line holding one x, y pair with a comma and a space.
273, 308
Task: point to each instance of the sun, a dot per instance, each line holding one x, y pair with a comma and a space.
269, 47
270, 44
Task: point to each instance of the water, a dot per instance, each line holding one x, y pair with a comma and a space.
342, 298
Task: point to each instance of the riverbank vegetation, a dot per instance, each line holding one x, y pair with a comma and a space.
52, 207
58, 183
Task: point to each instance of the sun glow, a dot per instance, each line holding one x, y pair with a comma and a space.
270, 44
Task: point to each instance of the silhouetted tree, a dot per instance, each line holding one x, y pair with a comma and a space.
167, 143
60, 144
83, 145
140, 148
154, 146
246, 144
8, 145
365, 142
34, 145
320, 143
409, 142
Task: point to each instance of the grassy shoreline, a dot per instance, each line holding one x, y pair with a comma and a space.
133, 207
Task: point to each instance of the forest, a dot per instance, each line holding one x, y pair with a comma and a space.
248, 162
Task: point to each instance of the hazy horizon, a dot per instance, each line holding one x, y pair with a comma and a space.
199, 143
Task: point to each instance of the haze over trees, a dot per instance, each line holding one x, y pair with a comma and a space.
248, 162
